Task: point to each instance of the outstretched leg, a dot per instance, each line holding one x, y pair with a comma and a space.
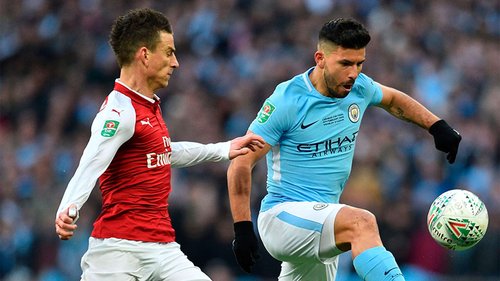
356, 229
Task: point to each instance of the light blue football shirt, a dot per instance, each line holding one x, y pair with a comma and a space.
312, 138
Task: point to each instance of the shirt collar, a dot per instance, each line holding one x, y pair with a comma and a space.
124, 89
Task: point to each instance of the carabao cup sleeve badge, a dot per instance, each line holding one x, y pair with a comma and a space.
265, 112
109, 128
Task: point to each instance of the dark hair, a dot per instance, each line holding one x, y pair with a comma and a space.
139, 27
346, 33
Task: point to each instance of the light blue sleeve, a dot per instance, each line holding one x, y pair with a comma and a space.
372, 90
274, 118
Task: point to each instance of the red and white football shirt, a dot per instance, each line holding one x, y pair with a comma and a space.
131, 153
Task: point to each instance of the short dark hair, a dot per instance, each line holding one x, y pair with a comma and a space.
346, 33
139, 27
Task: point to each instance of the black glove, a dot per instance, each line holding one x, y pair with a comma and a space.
446, 139
245, 246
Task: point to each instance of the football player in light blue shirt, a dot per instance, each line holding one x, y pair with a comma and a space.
312, 138
310, 124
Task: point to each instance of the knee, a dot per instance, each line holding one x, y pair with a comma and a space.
356, 222
363, 222
356, 229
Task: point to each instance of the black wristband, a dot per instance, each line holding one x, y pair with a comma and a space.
243, 227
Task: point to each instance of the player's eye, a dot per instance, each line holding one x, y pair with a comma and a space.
170, 52
346, 63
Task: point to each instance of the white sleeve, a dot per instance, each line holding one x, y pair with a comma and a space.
109, 131
185, 154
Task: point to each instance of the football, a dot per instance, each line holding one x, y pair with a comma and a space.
457, 219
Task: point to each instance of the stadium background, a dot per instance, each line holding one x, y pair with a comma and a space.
56, 68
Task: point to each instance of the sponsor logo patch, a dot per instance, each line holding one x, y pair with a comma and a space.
265, 112
109, 128
146, 122
304, 126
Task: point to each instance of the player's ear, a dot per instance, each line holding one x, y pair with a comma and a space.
143, 55
319, 58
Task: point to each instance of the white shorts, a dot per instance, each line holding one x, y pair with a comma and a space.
301, 235
119, 259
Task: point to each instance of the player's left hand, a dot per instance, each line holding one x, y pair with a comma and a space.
245, 144
446, 139
245, 245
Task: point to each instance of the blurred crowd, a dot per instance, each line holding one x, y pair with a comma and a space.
56, 68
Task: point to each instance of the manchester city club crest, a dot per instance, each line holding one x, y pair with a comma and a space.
320, 206
354, 113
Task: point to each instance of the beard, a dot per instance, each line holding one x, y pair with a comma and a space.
331, 90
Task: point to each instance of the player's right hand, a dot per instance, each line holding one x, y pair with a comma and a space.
245, 245
65, 222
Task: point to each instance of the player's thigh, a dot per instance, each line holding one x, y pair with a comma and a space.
110, 259
292, 231
175, 265
316, 271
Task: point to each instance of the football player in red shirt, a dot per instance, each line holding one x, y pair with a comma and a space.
131, 153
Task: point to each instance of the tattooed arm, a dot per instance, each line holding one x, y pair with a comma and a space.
406, 108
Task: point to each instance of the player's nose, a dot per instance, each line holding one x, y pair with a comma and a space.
353, 73
174, 63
